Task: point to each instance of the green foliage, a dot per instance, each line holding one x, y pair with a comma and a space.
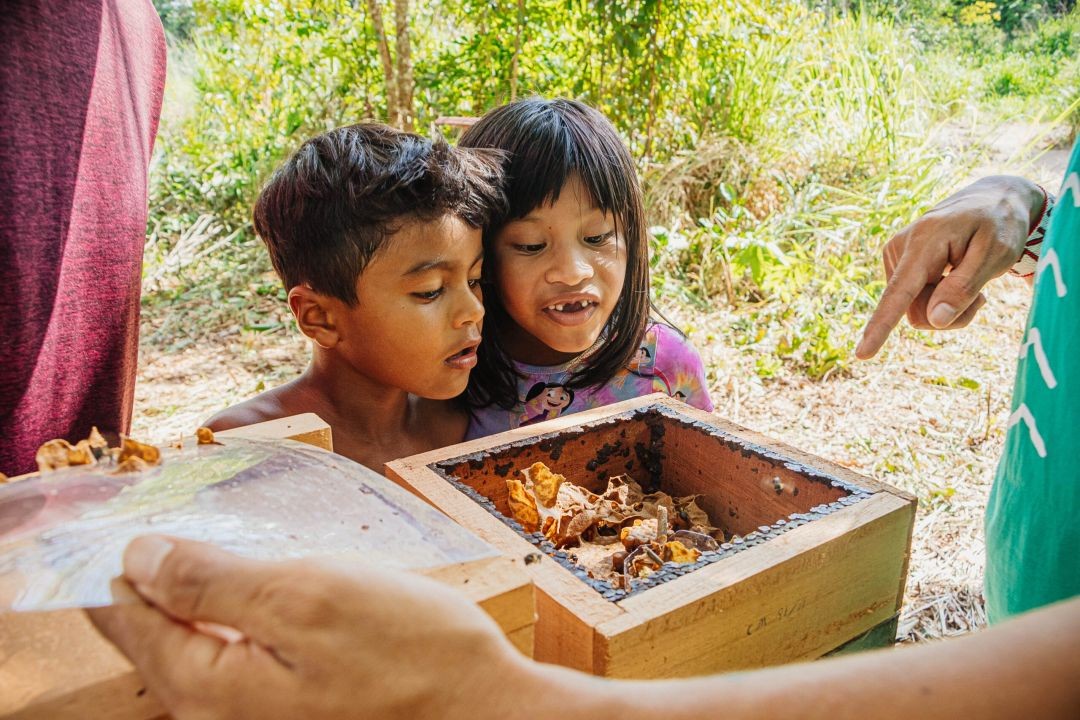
267, 76
1042, 66
840, 163
177, 17
1014, 16
1033, 70
274, 75
809, 270
781, 142
688, 63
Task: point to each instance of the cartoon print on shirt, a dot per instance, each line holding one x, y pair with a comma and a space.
545, 401
643, 363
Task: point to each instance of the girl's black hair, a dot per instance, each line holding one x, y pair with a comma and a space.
547, 142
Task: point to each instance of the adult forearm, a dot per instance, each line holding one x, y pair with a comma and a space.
322, 643
1029, 667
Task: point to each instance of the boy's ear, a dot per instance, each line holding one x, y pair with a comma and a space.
314, 315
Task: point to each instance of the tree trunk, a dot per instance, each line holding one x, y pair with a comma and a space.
392, 102
517, 49
405, 83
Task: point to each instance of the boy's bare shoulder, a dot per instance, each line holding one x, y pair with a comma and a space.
273, 404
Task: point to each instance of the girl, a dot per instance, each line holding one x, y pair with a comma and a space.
567, 294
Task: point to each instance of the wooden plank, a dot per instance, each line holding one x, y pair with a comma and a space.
306, 428
55, 666
499, 585
799, 456
456, 121
737, 488
880, 636
524, 639
563, 637
794, 597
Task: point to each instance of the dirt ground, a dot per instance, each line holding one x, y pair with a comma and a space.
928, 415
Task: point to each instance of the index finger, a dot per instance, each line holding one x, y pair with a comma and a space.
907, 281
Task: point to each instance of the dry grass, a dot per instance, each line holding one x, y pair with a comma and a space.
905, 418
927, 415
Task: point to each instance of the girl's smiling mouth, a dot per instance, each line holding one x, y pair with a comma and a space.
570, 306
572, 310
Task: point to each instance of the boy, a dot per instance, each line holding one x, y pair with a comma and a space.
376, 235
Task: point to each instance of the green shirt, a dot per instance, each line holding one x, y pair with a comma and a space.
1033, 518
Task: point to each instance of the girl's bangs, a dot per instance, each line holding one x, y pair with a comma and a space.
564, 141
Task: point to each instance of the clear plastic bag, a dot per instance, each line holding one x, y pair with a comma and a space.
62, 535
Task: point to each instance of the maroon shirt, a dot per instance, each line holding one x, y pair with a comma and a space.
80, 95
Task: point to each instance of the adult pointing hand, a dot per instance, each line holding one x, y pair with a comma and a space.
937, 266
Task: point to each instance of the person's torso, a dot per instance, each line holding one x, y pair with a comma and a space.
80, 93
1032, 533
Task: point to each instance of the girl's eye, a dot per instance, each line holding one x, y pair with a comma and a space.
599, 239
529, 249
429, 295
474, 282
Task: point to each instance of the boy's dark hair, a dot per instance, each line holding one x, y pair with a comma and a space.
546, 143
330, 207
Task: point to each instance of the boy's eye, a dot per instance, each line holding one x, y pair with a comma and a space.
599, 239
429, 295
529, 249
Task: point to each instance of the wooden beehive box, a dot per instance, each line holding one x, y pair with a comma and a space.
820, 559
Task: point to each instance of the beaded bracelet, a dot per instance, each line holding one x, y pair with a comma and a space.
1029, 259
